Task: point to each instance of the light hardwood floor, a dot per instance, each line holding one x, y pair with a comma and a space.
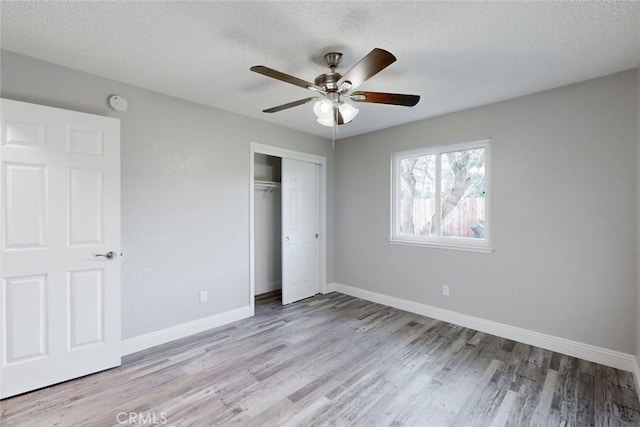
338, 360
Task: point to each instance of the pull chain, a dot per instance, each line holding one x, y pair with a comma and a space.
333, 128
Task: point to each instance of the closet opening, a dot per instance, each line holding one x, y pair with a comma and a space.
267, 202
287, 224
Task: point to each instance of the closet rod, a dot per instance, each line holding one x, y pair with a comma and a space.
267, 186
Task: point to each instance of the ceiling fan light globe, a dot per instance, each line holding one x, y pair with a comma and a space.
323, 108
348, 112
326, 121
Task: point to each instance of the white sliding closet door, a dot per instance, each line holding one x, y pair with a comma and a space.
300, 230
60, 245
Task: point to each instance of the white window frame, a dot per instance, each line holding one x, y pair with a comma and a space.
455, 243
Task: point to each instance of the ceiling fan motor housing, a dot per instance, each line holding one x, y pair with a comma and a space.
329, 81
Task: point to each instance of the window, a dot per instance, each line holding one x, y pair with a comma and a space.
440, 196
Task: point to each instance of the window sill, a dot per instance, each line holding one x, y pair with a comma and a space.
441, 245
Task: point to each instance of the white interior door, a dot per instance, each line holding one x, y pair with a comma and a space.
60, 207
300, 230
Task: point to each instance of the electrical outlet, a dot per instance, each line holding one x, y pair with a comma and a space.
445, 290
203, 296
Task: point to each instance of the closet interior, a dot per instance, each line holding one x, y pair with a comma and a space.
267, 223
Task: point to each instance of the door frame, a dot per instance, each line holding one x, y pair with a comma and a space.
295, 155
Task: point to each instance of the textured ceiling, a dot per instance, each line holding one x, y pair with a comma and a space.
455, 55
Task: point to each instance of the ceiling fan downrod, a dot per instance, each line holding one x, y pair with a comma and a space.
329, 81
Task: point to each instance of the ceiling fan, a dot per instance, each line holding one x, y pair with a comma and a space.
333, 89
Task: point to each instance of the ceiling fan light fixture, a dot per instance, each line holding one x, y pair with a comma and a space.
325, 121
348, 111
323, 109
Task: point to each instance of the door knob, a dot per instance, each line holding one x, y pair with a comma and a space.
286, 238
108, 255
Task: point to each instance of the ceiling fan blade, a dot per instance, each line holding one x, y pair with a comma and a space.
270, 72
289, 105
386, 98
376, 61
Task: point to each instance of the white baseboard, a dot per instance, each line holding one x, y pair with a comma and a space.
614, 359
329, 287
152, 339
636, 374
263, 288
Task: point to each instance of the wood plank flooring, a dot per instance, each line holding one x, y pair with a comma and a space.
338, 360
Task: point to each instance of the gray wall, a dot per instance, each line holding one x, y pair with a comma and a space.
185, 191
564, 191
